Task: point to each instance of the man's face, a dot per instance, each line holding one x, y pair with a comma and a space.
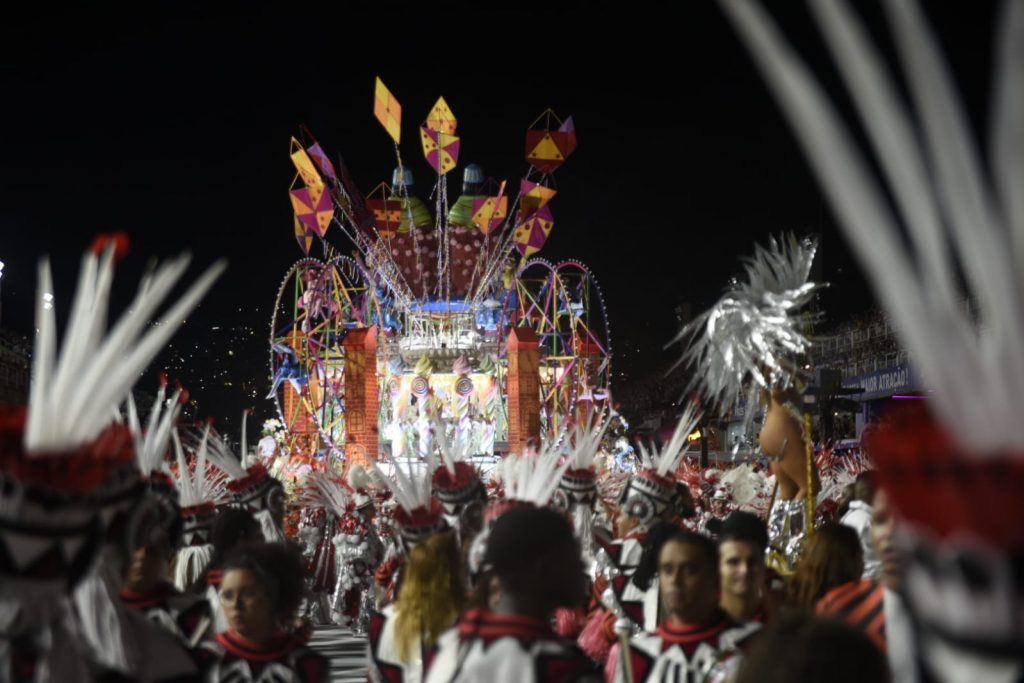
717, 506
625, 523
883, 527
741, 566
688, 582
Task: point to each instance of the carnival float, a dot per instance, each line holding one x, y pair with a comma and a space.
403, 317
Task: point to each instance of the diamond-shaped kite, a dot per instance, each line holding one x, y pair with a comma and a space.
440, 149
314, 208
534, 195
441, 118
532, 232
387, 110
547, 149
304, 165
303, 236
322, 162
489, 212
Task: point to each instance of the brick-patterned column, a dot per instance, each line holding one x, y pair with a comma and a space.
523, 389
361, 396
297, 414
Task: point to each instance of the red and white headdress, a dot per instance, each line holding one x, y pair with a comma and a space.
455, 481
578, 484
250, 484
531, 478
159, 508
67, 466
201, 489
653, 489
419, 514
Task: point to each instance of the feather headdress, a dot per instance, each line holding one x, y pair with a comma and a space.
664, 463
151, 444
65, 458
201, 489
652, 490
455, 481
419, 514
323, 491
752, 339
532, 477
250, 483
75, 392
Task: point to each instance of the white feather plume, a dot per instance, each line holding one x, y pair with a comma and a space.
151, 445
320, 490
586, 440
532, 477
359, 478
668, 459
412, 489
746, 487
74, 394
450, 452
219, 453
201, 485
934, 174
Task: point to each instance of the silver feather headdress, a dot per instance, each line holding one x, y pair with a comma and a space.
753, 338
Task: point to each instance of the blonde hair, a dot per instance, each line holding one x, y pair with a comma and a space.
431, 595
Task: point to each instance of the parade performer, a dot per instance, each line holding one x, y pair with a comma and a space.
462, 402
457, 485
67, 471
697, 640
354, 559
649, 496
261, 593
428, 407
231, 528
201, 490
750, 347
742, 541
145, 585
953, 467
429, 602
529, 479
534, 558
577, 489
394, 657
250, 484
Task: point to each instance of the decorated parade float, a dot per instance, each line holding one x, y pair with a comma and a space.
409, 312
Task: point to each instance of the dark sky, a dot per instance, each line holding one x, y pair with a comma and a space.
175, 130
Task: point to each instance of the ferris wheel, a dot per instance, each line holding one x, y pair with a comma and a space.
563, 304
317, 304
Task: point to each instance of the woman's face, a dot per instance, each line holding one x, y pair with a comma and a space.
247, 605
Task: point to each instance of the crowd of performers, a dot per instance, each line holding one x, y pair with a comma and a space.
552, 571
151, 553
132, 548
135, 548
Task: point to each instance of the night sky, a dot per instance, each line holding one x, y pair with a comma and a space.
175, 130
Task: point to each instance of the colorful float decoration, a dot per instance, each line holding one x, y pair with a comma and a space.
399, 314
